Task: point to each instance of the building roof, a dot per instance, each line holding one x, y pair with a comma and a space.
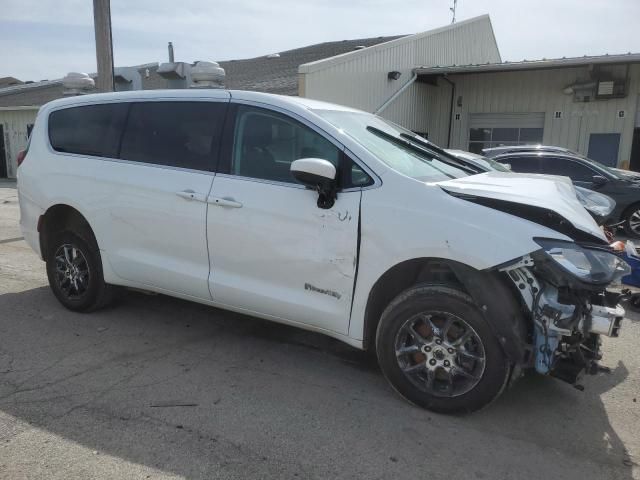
393, 42
8, 81
268, 73
564, 62
279, 74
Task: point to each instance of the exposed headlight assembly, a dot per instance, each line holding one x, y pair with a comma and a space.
589, 265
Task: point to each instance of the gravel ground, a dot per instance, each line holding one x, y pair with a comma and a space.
160, 388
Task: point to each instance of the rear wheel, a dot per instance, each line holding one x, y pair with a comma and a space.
74, 269
436, 349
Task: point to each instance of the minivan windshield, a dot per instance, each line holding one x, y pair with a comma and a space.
397, 147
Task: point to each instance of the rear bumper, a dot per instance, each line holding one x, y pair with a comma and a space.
29, 215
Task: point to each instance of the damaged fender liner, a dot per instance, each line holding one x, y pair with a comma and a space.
541, 216
499, 307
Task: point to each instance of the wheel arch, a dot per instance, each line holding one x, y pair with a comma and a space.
60, 217
489, 290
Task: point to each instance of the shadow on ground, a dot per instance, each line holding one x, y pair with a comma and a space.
264, 400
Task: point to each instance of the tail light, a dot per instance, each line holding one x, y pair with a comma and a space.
21, 156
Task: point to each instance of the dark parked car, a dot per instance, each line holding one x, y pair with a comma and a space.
601, 207
621, 186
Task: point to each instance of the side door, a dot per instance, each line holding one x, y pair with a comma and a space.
152, 214
273, 251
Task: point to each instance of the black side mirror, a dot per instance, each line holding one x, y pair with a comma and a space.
320, 175
599, 180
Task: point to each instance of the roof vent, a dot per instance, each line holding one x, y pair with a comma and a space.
359, 47
273, 55
76, 83
207, 75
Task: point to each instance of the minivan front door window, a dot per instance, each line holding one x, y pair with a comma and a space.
266, 143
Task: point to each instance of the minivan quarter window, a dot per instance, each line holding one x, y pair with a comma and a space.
176, 134
93, 130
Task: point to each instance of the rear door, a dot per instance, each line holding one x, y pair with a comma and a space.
145, 196
273, 250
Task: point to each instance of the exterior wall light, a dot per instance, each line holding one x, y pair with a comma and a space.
395, 75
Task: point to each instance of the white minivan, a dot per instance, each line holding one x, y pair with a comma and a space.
326, 218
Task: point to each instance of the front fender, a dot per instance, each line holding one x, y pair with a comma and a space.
500, 308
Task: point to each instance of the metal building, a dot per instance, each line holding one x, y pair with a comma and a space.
453, 88
367, 79
587, 104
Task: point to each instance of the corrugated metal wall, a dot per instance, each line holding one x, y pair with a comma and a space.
541, 91
14, 124
359, 79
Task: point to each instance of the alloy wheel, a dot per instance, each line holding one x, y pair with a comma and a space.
71, 271
634, 222
440, 353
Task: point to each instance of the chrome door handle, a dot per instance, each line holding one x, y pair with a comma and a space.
191, 195
224, 202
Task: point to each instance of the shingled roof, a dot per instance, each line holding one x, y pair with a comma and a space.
279, 74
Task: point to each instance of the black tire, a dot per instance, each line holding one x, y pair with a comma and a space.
632, 221
435, 302
93, 293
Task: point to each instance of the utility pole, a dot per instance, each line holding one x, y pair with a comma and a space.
104, 44
453, 11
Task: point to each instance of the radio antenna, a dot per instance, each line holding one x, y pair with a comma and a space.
453, 11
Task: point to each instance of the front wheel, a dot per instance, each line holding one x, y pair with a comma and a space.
437, 350
632, 222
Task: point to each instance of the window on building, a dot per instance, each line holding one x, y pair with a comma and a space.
177, 134
481, 138
88, 130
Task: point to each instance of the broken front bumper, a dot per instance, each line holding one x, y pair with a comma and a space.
567, 319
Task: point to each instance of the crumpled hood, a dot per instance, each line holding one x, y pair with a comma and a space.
544, 191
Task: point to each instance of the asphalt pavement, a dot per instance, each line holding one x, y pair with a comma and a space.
156, 387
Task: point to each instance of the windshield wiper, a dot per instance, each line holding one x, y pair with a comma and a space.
441, 152
424, 148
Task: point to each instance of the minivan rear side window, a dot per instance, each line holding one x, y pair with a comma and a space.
88, 130
177, 134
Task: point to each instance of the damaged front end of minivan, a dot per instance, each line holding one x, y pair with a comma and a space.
564, 295
563, 287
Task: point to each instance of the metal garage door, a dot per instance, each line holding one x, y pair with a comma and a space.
488, 130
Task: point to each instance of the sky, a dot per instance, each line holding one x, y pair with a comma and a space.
45, 39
